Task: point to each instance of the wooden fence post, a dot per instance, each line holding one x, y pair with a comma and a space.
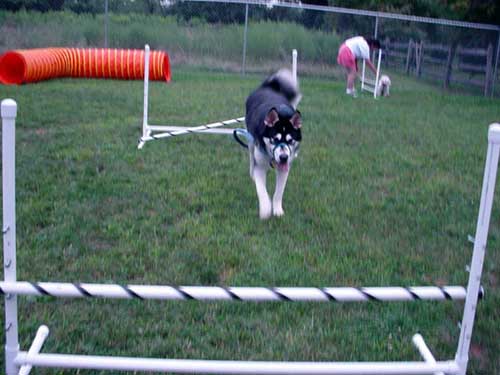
408, 56
495, 76
419, 50
488, 74
387, 50
449, 67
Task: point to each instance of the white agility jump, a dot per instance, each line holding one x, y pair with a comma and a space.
154, 132
369, 84
21, 362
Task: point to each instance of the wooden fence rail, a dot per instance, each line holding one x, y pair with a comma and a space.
446, 63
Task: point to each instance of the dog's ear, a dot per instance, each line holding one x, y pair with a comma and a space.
296, 120
271, 118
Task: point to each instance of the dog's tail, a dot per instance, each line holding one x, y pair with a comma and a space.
284, 82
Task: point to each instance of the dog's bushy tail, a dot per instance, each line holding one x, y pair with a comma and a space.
283, 82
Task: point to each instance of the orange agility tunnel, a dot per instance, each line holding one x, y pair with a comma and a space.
33, 65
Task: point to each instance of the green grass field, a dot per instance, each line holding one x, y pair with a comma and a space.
383, 193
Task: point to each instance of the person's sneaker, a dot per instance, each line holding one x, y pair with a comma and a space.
351, 92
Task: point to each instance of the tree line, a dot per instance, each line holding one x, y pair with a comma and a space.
483, 11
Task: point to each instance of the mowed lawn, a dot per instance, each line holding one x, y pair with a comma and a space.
384, 193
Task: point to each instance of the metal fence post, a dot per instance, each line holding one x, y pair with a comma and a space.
243, 65
375, 34
106, 21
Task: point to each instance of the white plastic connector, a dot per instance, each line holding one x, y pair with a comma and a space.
494, 133
9, 109
36, 346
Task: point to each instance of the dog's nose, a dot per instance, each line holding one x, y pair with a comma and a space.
283, 158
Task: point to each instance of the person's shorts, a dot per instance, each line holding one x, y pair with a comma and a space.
346, 58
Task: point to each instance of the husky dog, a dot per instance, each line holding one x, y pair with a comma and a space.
384, 85
274, 123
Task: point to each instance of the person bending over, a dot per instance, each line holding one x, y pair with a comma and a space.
352, 50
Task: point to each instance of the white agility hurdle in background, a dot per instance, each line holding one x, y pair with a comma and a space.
21, 362
153, 132
368, 84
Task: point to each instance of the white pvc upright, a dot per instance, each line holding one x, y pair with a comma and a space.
145, 130
36, 346
363, 76
9, 112
424, 350
294, 65
476, 267
377, 77
369, 84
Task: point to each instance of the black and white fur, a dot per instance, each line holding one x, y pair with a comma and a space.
275, 125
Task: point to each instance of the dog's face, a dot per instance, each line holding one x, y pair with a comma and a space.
282, 138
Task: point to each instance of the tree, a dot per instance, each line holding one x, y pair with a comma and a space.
314, 19
38, 5
482, 11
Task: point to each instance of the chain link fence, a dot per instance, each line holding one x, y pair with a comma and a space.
258, 36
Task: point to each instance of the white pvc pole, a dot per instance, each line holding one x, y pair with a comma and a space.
146, 88
8, 113
378, 74
166, 292
173, 128
294, 65
234, 367
245, 33
424, 350
106, 23
363, 76
145, 130
41, 336
483, 223
188, 130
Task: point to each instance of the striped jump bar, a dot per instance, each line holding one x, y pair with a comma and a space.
195, 129
204, 293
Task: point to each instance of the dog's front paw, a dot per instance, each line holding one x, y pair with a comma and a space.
265, 210
278, 210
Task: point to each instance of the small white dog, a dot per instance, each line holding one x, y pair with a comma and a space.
384, 85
